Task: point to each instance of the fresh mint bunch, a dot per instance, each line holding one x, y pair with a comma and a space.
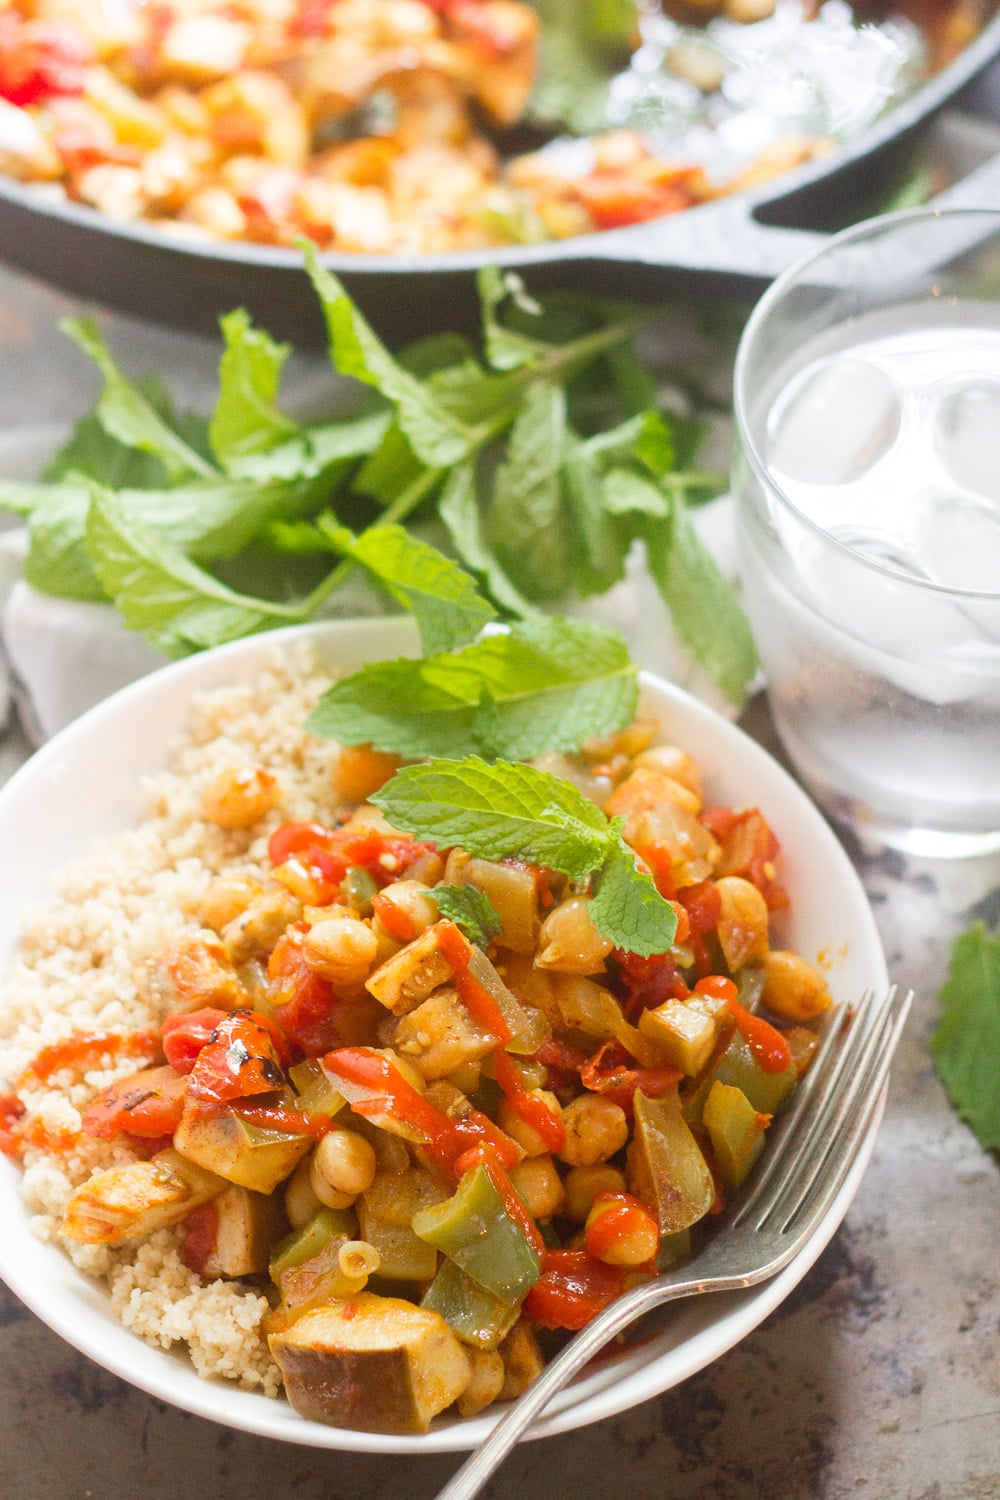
540, 455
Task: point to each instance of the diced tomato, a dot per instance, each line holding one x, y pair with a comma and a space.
572, 1289
296, 839
562, 1061
703, 905
303, 1002
148, 1104
329, 853
201, 1228
614, 199
611, 1072
241, 1057
648, 982
39, 59
749, 849
185, 1033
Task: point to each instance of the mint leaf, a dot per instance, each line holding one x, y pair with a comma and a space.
57, 561
499, 811
437, 438
92, 451
966, 1044
705, 609
506, 348
314, 452
390, 469
160, 592
527, 525
458, 508
544, 685
628, 493
471, 910
245, 419
600, 543
128, 415
627, 907
20, 497
217, 519
442, 598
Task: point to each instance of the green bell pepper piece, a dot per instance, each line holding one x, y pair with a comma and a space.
474, 1315
473, 1229
302, 1244
736, 1131
738, 1068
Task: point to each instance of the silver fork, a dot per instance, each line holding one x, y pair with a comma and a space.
810, 1153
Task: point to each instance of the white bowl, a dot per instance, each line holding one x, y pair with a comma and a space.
85, 784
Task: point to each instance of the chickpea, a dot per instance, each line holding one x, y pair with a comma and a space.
485, 1382
341, 949
595, 1129
360, 771
630, 1238
742, 924
343, 1165
675, 762
519, 1130
794, 988
414, 903
582, 1185
239, 796
570, 942
540, 1185
300, 1200
255, 931
226, 898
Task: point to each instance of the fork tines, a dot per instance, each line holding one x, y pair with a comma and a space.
815, 1142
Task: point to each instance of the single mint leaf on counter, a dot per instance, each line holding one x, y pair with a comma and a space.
128, 415
966, 1044
543, 685
246, 419
440, 595
436, 437
705, 610
498, 811
627, 908
458, 508
471, 910
157, 590
527, 525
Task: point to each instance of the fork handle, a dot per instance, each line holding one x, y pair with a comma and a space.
473, 1474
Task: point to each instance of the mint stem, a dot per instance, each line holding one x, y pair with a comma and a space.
400, 508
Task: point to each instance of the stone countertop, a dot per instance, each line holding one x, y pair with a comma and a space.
878, 1377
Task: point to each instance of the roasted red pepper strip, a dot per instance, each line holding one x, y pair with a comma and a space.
149, 1105
572, 1289
241, 1057
448, 1140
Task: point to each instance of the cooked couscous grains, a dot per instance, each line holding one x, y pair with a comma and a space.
80, 969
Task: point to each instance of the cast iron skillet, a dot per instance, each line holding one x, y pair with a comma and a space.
731, 248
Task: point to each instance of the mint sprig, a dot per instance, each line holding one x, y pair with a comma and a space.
545, 684
471, 910
509, 811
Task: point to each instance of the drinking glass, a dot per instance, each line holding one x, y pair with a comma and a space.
867, 484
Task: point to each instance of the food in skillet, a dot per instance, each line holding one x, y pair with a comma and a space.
393, 125
320, 1097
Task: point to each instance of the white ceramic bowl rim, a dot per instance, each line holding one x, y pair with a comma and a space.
86, 782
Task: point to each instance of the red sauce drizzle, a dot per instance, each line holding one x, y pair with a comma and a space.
88, 1048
